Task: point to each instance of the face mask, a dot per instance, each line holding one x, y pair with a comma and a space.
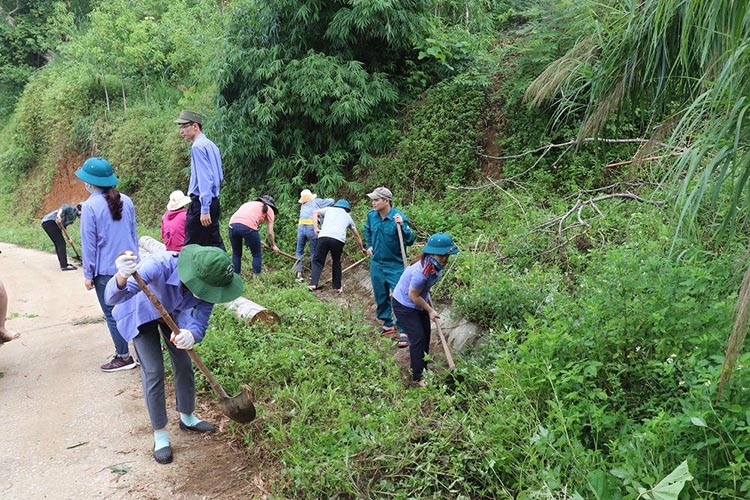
89, 188
435, 263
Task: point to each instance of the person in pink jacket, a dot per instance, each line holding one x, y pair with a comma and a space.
173, 221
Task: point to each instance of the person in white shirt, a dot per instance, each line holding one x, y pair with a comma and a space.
331, 238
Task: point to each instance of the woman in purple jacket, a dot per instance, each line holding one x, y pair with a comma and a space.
411, 300
107, 228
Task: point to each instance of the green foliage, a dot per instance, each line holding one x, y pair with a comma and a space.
505, 300
686, 64
29, 32
147, 47
594, 375
149, 157
308, 88
439, 147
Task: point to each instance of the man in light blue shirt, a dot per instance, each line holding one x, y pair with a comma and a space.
206, 175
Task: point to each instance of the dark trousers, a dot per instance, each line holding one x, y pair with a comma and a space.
239, 233
324, 246
55, 234
148, 347
417, 326
195, 233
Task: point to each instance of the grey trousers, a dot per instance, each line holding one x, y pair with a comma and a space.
148, 347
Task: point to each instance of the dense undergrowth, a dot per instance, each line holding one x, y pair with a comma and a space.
602, 325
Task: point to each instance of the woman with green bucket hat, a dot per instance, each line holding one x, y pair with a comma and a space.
107, 228
187, 284
411, 300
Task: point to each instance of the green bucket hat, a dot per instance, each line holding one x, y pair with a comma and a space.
208, 273
440, 244
97, 172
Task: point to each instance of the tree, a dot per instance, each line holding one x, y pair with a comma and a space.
689, 62
308, 87
29, 34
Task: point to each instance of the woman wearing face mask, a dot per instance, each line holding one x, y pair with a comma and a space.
107, 228
411, 300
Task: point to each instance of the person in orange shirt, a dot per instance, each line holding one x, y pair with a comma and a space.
243, 227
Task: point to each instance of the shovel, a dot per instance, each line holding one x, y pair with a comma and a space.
67, 237
401, 243
239, 408
446, 349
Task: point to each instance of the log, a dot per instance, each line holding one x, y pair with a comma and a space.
253, 312
244, 308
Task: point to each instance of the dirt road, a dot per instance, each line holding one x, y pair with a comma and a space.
70, 430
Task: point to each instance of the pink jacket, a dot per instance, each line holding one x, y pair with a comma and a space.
173, 229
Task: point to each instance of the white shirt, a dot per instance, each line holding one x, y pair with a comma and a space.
335, 222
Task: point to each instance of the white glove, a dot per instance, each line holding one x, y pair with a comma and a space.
126, 264
183, 340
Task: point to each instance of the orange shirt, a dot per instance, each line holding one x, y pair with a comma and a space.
251, 215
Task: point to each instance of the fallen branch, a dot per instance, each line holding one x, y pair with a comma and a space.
572, 142
579, 205
640, 160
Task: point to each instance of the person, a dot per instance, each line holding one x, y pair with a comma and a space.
202, 220
243, 227
177, 280
52, 222
331, 238
173, 221
411, 299
6, 334
383, 244
107, 228
305, 233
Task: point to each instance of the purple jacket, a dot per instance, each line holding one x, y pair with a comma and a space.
133, 309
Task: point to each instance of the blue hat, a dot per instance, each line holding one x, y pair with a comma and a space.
440, 244
343, 204
97, 172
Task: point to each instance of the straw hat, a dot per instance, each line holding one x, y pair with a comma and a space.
306, 195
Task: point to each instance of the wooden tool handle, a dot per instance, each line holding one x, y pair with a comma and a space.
401, 244
447, 350
176, 330
67, 237
347, 268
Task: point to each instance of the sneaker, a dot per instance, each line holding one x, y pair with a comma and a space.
118, 364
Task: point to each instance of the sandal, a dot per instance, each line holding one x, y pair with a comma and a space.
387, 330
69, 267
338, 290
403, 340
312, 288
